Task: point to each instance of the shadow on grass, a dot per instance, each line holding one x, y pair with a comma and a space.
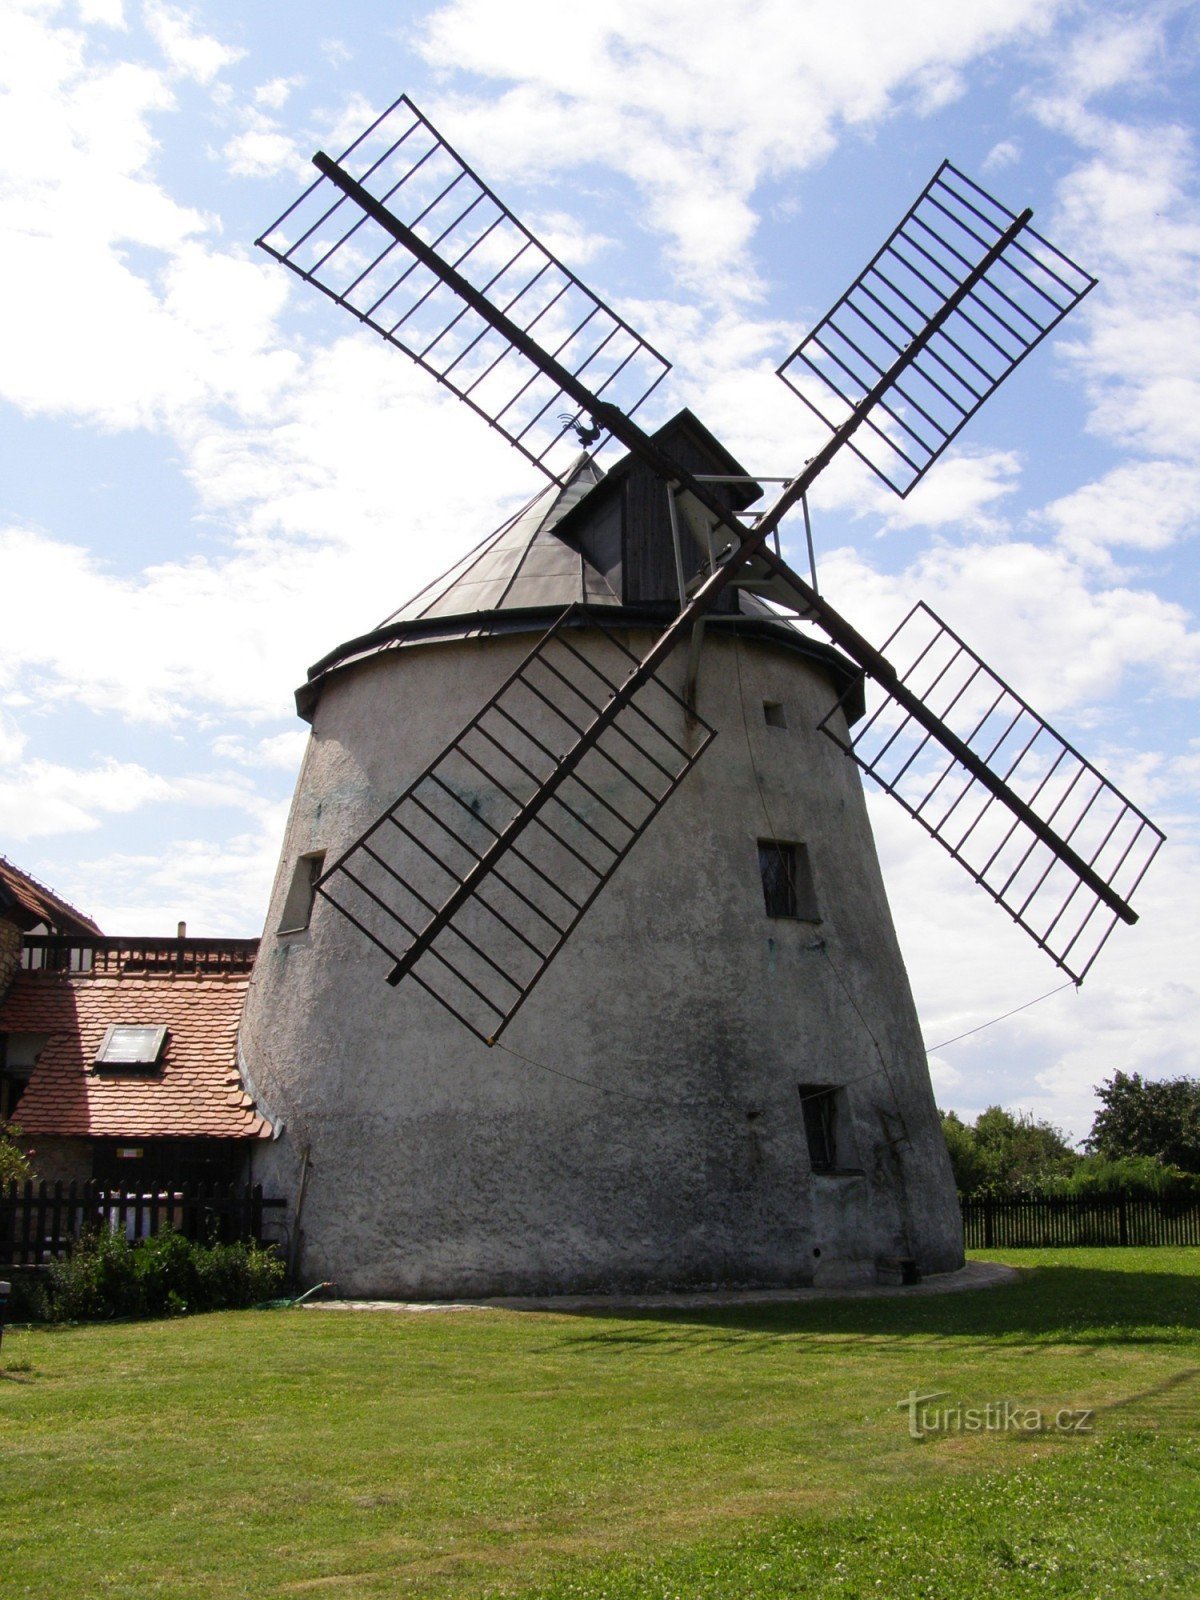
1050, 1304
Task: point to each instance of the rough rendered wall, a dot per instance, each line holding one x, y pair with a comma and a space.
440, 1167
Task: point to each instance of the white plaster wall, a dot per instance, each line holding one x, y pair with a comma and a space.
440, 1167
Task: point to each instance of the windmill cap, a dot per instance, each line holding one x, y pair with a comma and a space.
598, 540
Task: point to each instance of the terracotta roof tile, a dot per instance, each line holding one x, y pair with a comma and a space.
35, 903
190, 1092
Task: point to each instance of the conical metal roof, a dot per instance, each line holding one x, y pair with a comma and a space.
547, 558
521, 565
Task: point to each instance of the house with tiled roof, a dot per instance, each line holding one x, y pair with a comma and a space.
27, 906
118, 1056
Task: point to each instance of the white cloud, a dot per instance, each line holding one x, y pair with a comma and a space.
261, 152
189, 53
698, 129
274, 94
218, 886
1001, 155
1066, 643
1141, 505
1131, 209
38, 798
282, 751
108, 13
174, 325
564, 237
325, 546
12, 741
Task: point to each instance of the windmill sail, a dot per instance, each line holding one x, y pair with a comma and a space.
442, 207
421, 250
477, 874
1032, 821
1025, 293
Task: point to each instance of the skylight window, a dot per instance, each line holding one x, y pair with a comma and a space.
131, 1045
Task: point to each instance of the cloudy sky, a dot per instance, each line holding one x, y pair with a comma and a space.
208, 476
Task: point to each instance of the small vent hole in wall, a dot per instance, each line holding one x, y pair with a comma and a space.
773, 714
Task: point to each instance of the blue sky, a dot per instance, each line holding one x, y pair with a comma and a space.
208, 476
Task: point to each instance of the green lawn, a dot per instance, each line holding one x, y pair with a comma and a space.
755, 1451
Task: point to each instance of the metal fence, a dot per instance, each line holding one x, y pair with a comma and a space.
40, 1223
1119, 1218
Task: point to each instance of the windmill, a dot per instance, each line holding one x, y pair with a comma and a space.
724, 1081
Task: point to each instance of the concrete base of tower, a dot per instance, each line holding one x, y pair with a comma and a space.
425, 1234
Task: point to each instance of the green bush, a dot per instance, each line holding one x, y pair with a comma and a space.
1136, 1175
163, 1276
14, 1159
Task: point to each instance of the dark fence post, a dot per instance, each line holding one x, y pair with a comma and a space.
1122, 1218
989, 1237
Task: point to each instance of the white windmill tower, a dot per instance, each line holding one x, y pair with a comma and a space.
722, 1080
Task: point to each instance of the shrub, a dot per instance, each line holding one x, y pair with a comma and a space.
98, 1280
14, 1159
163, 1276
1136, 1175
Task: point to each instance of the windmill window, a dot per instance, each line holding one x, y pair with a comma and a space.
298, 907
130, 1045
819, 1104
773, 714
787, 880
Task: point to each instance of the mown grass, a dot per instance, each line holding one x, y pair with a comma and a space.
751, 1451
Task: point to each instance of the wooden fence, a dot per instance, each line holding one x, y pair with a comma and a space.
55, 952
1109, 1219
42, 1222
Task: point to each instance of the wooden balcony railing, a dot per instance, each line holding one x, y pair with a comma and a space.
72, 953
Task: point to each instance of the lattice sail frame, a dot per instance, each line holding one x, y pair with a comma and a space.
534, 867
1045, 894
1021, 298
957, 297
406, 165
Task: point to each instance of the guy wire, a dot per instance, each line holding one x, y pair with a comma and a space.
1070, 984
588, 1083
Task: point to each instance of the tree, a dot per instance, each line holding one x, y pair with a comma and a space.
1144, 1118
964, 1154
1004, 1153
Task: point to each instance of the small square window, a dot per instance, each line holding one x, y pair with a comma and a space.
773, 714
787, 880
819, 1105
298, 907
127, 1044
